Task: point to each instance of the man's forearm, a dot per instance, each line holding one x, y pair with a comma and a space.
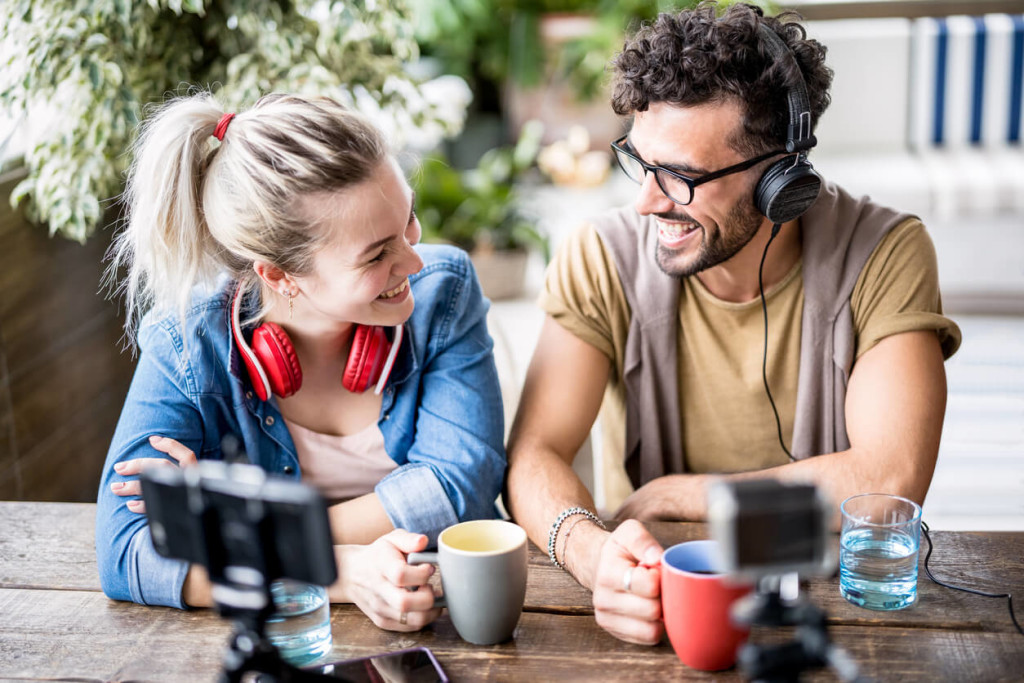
540, 487
840, 475
848, 473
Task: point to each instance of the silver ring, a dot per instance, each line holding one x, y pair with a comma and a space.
403, 619
627, 579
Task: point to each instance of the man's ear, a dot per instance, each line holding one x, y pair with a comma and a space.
274, 277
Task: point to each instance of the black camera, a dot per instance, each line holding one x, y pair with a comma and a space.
772, 532
766, 527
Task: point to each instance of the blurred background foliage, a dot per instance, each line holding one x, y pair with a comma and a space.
491, 42
478, 208
79, 73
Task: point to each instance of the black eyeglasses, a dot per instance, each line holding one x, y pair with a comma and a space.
676, 186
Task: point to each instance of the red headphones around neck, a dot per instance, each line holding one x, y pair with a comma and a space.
274, 366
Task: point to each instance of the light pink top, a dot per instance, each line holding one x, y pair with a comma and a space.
341, 467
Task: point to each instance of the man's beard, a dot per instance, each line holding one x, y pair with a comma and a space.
742, 223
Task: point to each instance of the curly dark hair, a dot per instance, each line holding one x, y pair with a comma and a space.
694, 58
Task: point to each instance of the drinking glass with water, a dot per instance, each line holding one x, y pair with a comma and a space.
879, 543
300, 627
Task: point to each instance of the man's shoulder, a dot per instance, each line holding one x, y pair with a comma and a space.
840, 232
906, 250
622, 220
839, 210
622, 235
587, 252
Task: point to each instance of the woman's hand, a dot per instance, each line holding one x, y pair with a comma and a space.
128, 468
394, 594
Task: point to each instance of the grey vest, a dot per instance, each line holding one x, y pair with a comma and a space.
839, 235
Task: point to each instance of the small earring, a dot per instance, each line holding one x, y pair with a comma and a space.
291, 303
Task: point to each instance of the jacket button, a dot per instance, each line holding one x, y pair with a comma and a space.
387, 416
269, 421
288, 469
248, 395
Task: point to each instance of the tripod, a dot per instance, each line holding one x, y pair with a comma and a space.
777, 603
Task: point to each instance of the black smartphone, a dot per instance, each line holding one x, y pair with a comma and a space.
415, 665
233, 515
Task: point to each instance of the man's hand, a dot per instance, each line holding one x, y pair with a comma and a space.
677, 497
627, 591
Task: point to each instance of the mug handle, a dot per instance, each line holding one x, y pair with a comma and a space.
426, 558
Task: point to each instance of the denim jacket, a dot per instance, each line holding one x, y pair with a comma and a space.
450, 456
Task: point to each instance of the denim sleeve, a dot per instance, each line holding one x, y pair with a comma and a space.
456, 463
157, 403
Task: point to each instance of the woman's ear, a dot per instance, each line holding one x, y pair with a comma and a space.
274, 277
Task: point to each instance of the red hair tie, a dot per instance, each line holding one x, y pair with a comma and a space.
222, 126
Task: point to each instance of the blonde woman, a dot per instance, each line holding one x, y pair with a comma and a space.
275, 256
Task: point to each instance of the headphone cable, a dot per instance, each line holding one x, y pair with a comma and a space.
764, 360
1008, 596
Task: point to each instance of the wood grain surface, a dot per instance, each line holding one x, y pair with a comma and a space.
55, 624
63, 377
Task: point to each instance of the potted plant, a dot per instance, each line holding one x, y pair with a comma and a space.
478, 210
104, 60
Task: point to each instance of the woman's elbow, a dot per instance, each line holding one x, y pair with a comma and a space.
113, 578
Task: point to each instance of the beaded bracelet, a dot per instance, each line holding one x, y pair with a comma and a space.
553, 534
568, 532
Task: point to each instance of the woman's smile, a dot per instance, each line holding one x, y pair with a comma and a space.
396, 295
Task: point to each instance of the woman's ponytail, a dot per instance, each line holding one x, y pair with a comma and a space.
165, 244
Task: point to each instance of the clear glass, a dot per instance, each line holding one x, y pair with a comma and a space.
879, 544
301, 626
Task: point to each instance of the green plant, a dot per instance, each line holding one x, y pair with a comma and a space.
467, 36
479, 208
103, 61
501, 39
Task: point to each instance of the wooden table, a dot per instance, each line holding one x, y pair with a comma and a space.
55, 623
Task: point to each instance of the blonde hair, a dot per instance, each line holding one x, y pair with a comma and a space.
196, 209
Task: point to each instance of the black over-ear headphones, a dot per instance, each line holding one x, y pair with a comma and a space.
789, 186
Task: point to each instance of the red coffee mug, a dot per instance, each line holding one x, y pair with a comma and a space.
696, 604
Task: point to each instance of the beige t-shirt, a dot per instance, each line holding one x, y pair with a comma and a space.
728, 424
